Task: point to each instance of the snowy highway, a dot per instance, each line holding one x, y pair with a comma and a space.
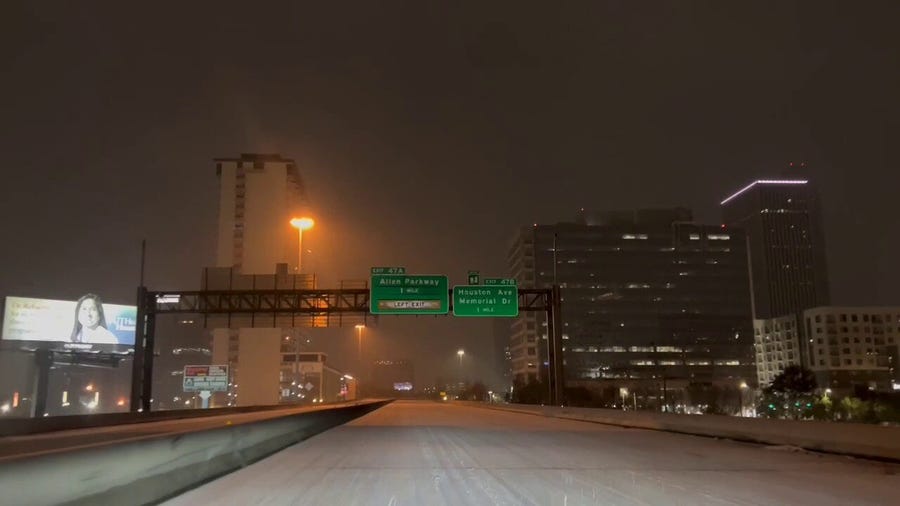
424, 453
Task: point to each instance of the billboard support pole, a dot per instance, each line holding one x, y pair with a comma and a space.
137, 364
143, 259
43, 359
204, 396
147, 378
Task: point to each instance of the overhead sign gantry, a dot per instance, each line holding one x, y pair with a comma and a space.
392, 292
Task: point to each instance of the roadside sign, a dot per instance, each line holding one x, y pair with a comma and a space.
388, 270
499, 281
486, 300
212, 378
473, 277
402, 294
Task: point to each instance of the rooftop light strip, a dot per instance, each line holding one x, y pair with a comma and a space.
764, 181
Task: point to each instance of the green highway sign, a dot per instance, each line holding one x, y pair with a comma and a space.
499, 281
402, 294
486, 300
388, 270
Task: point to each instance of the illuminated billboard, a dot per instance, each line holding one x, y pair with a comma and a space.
404, 386
211, 378
82, 324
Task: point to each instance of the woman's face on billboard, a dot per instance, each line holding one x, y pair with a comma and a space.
89, 315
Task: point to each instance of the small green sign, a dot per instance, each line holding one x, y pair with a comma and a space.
473, 277
486, 300
402, 294
388, 270
499, 281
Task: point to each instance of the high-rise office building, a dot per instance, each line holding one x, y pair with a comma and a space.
258, 196
501, 331
647, 296
785, 245
257, 249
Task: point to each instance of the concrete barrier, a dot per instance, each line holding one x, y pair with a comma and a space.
151, 469
855, 439
26, 426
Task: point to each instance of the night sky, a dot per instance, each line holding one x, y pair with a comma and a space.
427, 133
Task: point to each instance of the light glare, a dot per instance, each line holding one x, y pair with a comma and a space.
303, 223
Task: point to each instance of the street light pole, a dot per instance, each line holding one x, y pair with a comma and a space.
299, 250
359, 329
301, 224
743, 386
459, 355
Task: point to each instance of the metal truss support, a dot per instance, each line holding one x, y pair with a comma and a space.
261, 301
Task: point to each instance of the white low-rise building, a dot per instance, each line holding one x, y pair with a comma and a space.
777, 345
850, 347
847, 347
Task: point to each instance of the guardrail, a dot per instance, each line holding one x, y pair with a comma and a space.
853, 439
153, 468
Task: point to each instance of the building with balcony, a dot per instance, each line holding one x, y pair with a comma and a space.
777, 345
853, 347
846, 347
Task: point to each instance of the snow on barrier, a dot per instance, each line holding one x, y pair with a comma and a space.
43, 425
151, 469
855, 439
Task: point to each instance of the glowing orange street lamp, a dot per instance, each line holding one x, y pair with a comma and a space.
301, 224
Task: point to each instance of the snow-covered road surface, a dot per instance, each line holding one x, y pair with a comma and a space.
424, 453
